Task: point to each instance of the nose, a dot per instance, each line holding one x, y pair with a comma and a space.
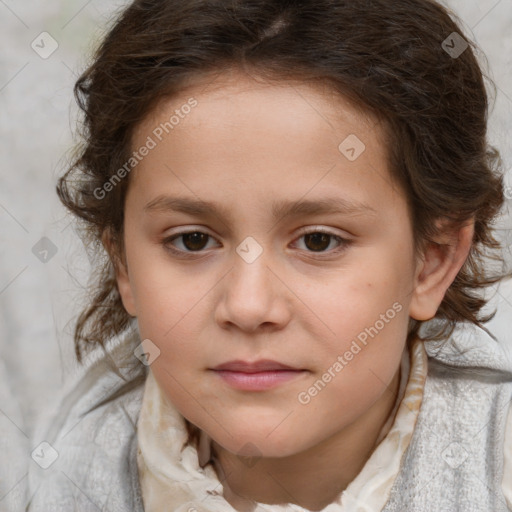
253, 297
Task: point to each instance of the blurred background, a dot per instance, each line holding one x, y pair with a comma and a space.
44, 269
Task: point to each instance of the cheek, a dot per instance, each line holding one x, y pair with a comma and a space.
366, 310
359, 362
358, 298
165, 294
180, 367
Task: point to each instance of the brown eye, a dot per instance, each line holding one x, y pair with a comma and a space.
317, 241
186, 242
195, 241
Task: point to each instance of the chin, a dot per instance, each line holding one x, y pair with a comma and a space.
260, 445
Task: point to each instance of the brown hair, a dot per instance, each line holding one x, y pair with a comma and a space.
391, 58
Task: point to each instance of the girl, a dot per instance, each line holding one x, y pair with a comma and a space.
286, 192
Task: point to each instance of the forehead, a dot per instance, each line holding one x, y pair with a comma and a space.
318, 96
269, 135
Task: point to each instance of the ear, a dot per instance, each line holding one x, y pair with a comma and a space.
122, 276
437, 269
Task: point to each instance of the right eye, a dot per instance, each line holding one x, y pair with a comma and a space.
192, 242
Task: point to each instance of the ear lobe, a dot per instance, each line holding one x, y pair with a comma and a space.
438, 268
122, 275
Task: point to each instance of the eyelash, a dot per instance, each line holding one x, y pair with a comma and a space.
344, 243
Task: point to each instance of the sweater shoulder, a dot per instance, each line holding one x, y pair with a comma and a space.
455, 459
88, 445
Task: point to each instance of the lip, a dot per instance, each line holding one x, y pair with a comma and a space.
257, 376
263, 365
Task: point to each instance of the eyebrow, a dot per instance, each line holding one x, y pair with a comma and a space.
280, 209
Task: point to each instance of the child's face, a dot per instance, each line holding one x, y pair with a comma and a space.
307, 302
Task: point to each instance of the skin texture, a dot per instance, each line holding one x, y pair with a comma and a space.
300, 302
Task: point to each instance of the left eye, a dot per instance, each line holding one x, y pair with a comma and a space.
319, 241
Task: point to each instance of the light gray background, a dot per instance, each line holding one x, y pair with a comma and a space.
39, 301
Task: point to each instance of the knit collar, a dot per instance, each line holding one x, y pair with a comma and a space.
176, 476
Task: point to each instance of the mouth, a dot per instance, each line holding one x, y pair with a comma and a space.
262, 365
256, 376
